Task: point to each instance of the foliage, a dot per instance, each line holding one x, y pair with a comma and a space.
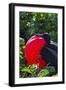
30, 70
34, 71
21, 50
43, 73
32, 22
21, 42
51, 70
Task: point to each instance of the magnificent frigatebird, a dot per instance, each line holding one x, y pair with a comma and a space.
40, 49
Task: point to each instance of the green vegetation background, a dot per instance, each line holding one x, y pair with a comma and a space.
32, 22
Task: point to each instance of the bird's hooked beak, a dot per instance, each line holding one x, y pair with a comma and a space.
46, 37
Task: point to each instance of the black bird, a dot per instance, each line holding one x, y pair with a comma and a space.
49, 53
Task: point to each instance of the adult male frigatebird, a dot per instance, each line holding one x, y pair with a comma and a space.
40, 50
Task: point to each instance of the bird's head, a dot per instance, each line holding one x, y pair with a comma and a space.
46, 37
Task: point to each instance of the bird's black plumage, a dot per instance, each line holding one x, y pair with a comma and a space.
49, 53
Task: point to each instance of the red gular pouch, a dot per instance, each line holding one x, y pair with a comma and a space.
33, 49
41, 62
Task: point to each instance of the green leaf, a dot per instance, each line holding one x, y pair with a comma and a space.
51, 70
21, 42
20, 53
30, 69
21, 57
43, 72
33, 68
27, 70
